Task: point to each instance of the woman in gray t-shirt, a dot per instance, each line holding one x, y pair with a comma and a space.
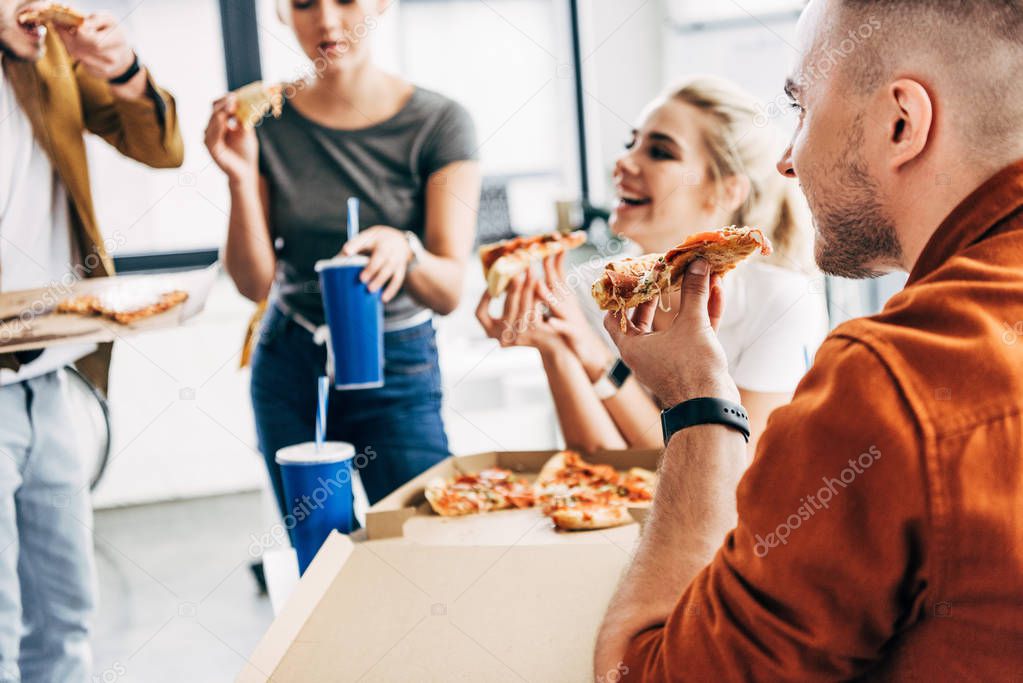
349, 130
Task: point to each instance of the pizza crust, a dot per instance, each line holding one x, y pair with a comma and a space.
590, 517
54, 13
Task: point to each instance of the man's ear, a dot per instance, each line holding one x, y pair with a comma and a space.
911, 115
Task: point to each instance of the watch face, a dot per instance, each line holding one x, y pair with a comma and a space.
619, 373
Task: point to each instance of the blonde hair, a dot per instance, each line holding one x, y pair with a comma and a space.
740, 142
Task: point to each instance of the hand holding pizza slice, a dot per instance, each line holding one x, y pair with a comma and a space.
629, 282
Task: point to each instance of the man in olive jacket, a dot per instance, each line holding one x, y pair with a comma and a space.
55, 85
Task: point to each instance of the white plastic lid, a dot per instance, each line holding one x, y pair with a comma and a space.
306, 453
338, 261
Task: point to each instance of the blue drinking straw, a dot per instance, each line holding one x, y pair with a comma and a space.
806, 357
353, 217
323, 393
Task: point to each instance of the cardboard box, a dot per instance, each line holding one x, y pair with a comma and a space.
398, 611
28, 320
406, 514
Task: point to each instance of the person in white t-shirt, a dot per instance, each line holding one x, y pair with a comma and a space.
55, 85
700, 159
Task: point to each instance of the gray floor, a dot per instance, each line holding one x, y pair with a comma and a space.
177, 600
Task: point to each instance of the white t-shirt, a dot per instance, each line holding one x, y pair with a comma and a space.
35, 239
774, 320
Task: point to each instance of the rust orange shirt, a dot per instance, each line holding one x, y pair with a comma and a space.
880, 528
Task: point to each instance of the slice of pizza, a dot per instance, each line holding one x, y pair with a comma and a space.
257, 100
589, 516
122, 305
131, 311
628, 283
51, 13
578, 495
491, 489
502, 261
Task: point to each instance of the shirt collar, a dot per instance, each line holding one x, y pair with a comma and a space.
991, 203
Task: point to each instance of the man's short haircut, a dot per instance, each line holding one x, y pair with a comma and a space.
975, 48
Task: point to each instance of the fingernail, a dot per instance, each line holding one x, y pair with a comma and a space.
698, 267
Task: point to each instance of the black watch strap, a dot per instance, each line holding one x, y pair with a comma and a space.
701, 411
127, 75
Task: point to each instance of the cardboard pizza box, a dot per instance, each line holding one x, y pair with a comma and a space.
406, 514
399, 611
28, 320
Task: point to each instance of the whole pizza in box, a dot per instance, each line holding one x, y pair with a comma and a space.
576, 495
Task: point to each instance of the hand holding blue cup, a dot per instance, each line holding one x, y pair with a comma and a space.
355, 318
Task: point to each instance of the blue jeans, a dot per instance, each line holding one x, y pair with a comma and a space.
47, 572
397, 426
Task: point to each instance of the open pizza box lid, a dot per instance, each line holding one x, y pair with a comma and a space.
399, 611
406, 514
28, 319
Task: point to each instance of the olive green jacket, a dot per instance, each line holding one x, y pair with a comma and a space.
63, 102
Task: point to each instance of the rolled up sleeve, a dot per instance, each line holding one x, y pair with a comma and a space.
827, 562
144, 129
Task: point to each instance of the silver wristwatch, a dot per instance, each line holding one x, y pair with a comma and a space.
416, 245
611, 380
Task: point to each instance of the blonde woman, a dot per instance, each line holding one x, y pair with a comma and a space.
697, 161
408, 154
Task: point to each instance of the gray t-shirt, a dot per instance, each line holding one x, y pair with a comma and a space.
312, 170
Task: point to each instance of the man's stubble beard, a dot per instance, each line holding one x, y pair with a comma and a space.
855, 236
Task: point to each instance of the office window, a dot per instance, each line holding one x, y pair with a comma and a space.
145, 210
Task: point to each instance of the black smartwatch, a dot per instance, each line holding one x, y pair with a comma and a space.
129, 74
701, 411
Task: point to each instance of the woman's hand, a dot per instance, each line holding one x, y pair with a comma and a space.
522, 322
568, 320
234, 147
389, 255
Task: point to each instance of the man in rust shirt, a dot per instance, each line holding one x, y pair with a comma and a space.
879, 531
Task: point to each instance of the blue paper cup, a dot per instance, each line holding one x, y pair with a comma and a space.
355, 317
318, 488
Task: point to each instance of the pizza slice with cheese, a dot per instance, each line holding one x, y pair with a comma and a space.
491, 489
577, 495
629, 282
502, 261
123, 305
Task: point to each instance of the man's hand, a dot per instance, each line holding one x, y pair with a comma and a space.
686, 360
102, 48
